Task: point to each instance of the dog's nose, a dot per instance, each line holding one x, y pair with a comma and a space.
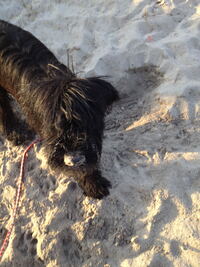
77, 159
74, 160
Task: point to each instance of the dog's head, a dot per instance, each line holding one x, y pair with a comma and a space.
79, 122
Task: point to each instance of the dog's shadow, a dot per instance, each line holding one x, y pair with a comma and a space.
154, 159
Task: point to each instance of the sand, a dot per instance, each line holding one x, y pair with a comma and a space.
151, 151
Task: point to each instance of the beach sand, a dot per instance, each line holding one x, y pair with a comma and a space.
151, 152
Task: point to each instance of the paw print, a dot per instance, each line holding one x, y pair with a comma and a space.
27, 244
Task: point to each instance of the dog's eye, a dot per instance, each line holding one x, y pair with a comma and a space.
94, 147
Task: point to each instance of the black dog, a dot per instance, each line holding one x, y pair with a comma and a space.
67, 112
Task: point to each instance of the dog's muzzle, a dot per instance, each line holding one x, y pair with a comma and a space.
74, 160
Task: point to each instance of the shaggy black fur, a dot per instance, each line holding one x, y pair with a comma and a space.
66, 111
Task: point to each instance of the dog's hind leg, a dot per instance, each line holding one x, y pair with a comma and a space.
10, 126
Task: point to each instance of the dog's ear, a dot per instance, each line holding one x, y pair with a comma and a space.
61, 122
64, 115
108, 92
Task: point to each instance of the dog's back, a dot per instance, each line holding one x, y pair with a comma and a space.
22, 57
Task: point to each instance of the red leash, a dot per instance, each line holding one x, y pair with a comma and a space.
17, 200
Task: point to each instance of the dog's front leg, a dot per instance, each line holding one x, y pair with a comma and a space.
87, 176
94, 184
11, 127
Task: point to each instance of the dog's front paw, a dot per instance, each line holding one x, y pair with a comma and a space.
19, 135
15, 138
95, 185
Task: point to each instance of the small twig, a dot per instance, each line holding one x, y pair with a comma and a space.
17, 200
